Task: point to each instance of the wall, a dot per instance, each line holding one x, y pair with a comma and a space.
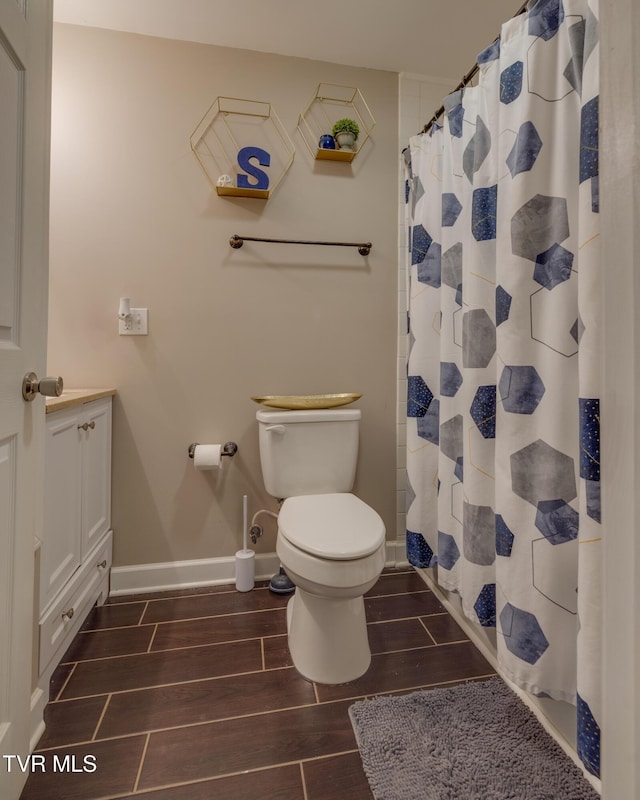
133, 215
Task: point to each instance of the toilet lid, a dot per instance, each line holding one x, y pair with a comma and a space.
332, 526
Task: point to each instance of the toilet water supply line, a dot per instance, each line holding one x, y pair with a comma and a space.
256, 530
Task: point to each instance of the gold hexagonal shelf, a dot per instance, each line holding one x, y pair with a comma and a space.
239, 144
330, 103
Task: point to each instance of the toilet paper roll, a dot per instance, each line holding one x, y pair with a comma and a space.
208, 457
245, 570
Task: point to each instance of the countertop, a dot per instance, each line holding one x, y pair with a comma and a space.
76, 397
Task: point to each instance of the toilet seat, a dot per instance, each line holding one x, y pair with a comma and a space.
337, 527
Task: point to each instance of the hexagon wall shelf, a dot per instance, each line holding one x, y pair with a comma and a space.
235, 133
330, 103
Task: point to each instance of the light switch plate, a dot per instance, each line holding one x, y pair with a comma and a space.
136, 325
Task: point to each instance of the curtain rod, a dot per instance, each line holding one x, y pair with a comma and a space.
465, 80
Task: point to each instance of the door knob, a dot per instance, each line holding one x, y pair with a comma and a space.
51, 387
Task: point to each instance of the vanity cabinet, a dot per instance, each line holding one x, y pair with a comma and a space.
75, 549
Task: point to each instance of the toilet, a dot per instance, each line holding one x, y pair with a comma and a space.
331, 543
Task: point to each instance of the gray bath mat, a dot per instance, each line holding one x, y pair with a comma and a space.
477, 741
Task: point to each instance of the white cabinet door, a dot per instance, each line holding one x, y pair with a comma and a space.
77, 504
61, 540
96, 472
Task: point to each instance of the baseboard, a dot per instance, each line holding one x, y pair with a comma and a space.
397, 554
140, 578
171, 575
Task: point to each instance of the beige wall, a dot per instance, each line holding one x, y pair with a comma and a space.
133, 215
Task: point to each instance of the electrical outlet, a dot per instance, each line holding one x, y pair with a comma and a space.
136, 325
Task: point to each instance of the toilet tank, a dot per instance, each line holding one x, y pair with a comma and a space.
308, 452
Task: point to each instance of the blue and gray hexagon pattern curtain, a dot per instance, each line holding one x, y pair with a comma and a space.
503, 451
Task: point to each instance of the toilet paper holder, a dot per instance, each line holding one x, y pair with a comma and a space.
228, 449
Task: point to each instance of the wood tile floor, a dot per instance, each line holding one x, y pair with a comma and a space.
192, 696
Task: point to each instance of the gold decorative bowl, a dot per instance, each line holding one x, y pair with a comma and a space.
301, 402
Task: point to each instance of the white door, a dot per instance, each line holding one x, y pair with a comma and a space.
25, 75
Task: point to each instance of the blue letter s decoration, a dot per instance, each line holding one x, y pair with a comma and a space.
244, 160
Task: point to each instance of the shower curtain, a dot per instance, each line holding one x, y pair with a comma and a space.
504, 362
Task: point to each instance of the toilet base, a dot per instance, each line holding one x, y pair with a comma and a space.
328, 638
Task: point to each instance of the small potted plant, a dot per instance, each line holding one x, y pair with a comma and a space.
345, 132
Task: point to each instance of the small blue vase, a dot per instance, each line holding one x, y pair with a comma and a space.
327, 142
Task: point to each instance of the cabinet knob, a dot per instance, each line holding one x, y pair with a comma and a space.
50, 387
86, 425
68, 614
102, 564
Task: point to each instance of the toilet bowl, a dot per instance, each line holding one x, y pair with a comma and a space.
332, 546
330, 543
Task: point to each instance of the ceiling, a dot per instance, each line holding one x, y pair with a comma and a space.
436, 38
